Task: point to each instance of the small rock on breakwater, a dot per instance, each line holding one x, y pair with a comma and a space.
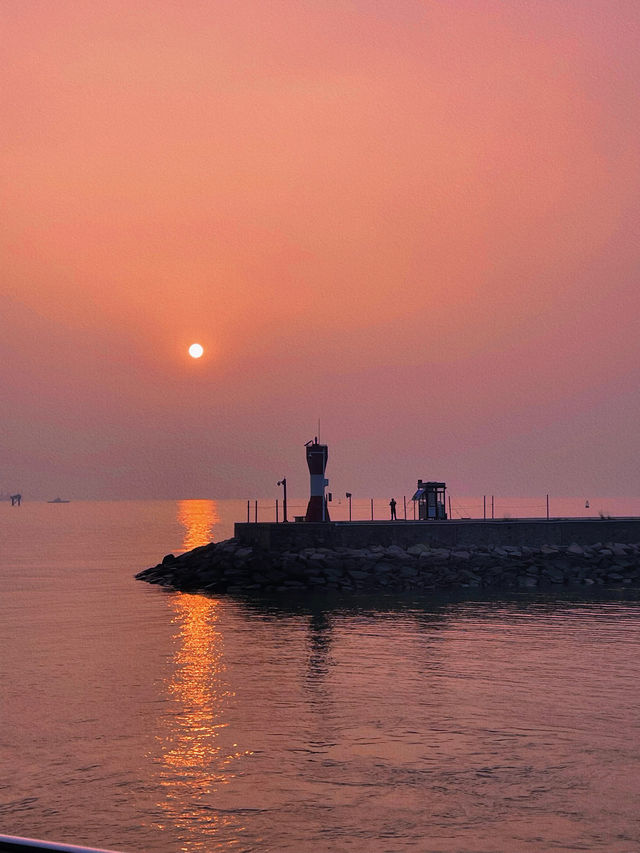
234, 567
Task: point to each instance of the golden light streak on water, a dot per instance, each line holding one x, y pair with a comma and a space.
194, 763
198, 517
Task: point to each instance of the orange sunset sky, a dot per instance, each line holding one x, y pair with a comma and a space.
416, 220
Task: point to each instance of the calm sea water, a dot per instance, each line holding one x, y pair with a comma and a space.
142, 720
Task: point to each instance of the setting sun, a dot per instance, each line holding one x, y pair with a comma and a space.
196, 350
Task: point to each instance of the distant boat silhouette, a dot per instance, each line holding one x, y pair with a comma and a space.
57, 501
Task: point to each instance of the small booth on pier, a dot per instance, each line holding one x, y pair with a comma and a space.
430, 498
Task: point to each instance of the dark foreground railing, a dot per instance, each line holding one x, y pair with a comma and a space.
13, 844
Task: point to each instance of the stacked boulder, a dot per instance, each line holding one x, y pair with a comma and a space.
235, 567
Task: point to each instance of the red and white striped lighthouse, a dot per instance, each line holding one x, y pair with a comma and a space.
317, 455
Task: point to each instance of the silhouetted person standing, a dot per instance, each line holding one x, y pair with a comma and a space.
392, 504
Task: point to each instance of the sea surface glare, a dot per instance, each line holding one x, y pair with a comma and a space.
149, 721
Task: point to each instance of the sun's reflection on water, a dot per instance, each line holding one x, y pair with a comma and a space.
196, 762
198, 518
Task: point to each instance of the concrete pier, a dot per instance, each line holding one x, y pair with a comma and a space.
532, 532
406, 555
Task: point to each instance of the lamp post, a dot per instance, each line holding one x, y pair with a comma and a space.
348, 495
283, 483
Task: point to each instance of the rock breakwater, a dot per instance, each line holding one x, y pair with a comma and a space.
234, 567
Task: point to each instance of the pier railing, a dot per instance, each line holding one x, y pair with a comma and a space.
340, 509
378, 509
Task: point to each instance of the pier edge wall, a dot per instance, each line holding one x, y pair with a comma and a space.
448, 534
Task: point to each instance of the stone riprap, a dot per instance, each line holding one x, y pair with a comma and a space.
234, 567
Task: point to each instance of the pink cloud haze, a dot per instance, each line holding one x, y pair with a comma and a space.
415, 220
